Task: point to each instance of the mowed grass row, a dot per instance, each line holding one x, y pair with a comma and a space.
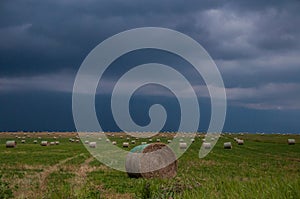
264, 167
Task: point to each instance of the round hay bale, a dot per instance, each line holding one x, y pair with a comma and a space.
150, 140
77, 141
182, 145
114, 143
169, 141
39, 138
107, 140
207, 145
92, 144
23, 141
240, 142
99, 138
71, 140
57, 142
192, 140
133, 142
144, 163
44, 143
144, 143
52, 143
86, 142
227, 145
291, 141
181, 140
126, 144
34, 141
157, 140
11, 144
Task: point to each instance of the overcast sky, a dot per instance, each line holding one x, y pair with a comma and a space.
255, 44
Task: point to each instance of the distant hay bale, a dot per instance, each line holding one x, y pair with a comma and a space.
99, 138
291, 141
126, 144
182, 145
128, 138
11, 144
133, 142
23, 141
192, 140
169, 141
77, 141
144, 143
86, 142
57, 142
92, 144
34, 141
157, 140
71, 140
52, 143
181, 140
114, 143
227, 145
140, 162
39, 138
206, 145
107, 140
44, 143
240, 142
150, 140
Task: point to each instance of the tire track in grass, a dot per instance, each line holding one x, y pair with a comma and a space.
41, 177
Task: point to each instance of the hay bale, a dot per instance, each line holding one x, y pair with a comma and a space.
181, 140
107, 140
240, 142
44, 143
291, 141
57, 142
126, 144
52, 143
157, 140
77, 141
114, 143
34, 141
206, 145
169, 141
150, 140
144, 143
192, 140
227, 145
144, 163
86, 142
39, 138
182, 145
133, 142
11, 144
92, 144
23, 141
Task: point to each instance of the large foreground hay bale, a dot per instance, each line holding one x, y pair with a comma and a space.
145, 163
291, 141
11, 144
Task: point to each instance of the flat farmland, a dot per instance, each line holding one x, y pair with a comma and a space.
264, 167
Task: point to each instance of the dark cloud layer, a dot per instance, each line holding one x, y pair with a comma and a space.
256, 45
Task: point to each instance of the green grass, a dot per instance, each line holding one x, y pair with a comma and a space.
264, 167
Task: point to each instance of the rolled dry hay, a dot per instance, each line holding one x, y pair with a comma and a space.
150, 140
23, 141
291, 141
52, 143
181, 140
114, 143
133, 142
71, 140
182, 145
206, 145
144, 143
192, 140
57, 142
39, 138
143, 160
107, 140
227, 145
86, 142
34, 141
11, 144
158, 140
99, 138
126, 144
44, 143
77, 141
92, 144
127, 138
240, 142
169, 141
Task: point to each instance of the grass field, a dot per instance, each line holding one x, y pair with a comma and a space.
264, 167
